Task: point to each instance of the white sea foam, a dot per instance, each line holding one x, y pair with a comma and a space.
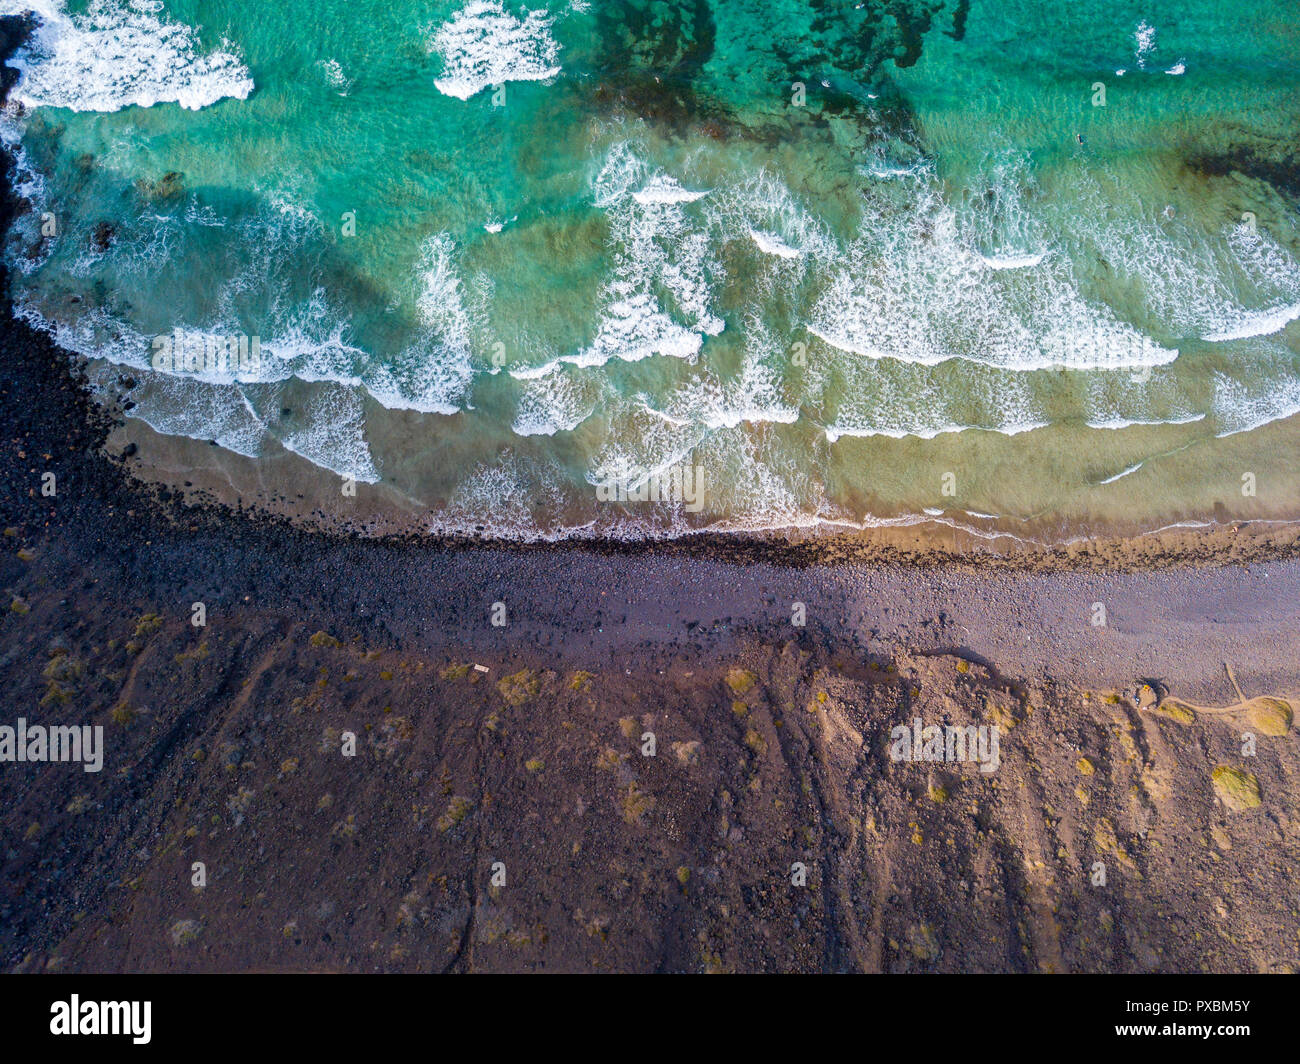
329, 430
176, 406
117, 55
759, 211
484, 45
1222, 285
332, 71
1123, 473
887, 169
511, 497
1128, 423
773, 245
1257, 323
433, 373
657, 248
641, 443
929, 432
557, 403
300, 351
756, 396
1012, 262
753, 481
898, 399
1243, 405
912, 288
1144, 37
661, 188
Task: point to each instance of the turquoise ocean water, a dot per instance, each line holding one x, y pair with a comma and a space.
1004, 264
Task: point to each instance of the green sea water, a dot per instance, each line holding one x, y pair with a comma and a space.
1012, 266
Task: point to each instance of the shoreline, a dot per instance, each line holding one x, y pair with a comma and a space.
177, 477
434, 459
221, 740
920, 541
112, 522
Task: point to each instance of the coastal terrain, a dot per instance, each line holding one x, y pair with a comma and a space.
670, 755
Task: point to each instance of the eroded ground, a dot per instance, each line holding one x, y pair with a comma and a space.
224, 746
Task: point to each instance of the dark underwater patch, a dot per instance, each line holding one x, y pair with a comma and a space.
1282, 170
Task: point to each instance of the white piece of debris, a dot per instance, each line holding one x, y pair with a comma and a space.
481, 668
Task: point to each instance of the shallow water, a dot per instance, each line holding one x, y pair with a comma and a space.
1024, 267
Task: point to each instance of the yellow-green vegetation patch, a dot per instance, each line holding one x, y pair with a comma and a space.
26, 554
19, 606
740, 680
581, 681
146, 626
1271, 716
938, 794
634, 804
289, 766
608, 759
1084, 766
324, 639
739, 708
197, 654
628, 726
683, 875
61, 676
185, 931
1107, 841
239, 802
123, 714
520, 687
923, 943
1177, 711
457, 810
755, 741
687, 753
454, 671
534, 764
1235, 788
1003, 715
